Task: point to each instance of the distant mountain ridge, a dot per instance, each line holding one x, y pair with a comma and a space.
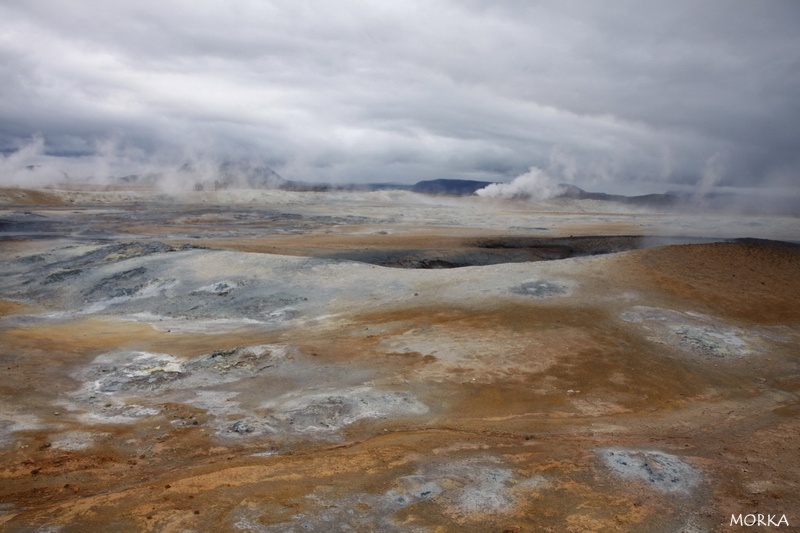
656, 200
231, 175
243, 175
458, 187
449, 186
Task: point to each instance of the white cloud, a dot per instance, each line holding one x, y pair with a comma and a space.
358, 90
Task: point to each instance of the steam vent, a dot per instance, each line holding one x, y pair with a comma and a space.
283, 360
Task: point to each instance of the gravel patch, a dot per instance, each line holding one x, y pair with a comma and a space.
661, 471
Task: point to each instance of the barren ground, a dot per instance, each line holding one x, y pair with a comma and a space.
250, 364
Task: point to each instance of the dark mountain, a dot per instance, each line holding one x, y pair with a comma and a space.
449, 187
305, 186
651, 200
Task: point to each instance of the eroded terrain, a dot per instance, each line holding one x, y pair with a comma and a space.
265, 363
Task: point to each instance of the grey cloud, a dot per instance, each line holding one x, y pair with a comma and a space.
599, 94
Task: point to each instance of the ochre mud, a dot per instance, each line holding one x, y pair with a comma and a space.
531, 387
754, 281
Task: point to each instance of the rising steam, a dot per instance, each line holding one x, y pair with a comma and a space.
26, 168
535, 184
118, 166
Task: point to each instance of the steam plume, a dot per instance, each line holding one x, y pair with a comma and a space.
25, 168
535, 184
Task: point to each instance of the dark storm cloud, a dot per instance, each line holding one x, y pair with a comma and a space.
600, 94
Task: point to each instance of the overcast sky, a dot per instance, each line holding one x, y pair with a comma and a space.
621, 96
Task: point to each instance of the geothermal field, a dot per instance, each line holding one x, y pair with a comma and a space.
275, 361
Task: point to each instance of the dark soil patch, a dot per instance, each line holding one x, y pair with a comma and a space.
494, 251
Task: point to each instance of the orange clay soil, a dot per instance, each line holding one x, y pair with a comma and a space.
8, 307
536, 387
754, 281
14, 196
